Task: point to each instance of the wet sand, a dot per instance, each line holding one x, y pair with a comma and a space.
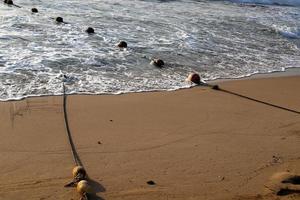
195, 143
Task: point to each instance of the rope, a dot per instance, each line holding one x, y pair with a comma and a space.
17, 6
216, 87
76, 158
79, 176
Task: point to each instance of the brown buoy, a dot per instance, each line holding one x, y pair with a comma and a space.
9, 2
194, 78
157, 62
122, 44
90, 30
79, 174
59, 19
34, 10
79, 171
83, 187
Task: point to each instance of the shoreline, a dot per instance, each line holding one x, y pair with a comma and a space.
197, 143
294, 71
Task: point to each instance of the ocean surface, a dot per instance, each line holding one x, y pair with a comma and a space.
217, 39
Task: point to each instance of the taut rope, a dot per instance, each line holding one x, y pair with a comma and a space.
74, 152
216, 87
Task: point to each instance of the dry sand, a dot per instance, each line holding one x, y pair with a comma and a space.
194, 144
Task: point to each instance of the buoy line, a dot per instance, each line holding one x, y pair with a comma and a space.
195, 78
157, 62
80, 177
216, 87
74, 152
11, 3
58, 20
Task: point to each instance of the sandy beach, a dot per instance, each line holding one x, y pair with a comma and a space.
193, 144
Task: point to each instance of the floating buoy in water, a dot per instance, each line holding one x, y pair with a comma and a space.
90, 30
9, 2
79, 171
59, 19
194, 78
34, 10
83, 187
122, 44
157, 62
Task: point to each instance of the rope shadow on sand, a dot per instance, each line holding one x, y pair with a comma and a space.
217, 88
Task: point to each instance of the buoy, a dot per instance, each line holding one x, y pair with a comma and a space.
34, 10
59, 19
9, 2
157, 62
122, 44
79, 174
83, 187
194, 78
90, 30
79, 171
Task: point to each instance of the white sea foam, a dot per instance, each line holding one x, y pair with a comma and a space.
225, 40
289, 32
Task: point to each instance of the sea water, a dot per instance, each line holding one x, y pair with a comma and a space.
217, 39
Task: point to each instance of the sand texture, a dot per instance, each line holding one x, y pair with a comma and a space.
193, 144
